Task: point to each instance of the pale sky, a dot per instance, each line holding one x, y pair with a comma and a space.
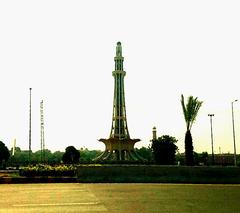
65, 51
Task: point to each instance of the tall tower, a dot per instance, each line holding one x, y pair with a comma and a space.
154, 131
119, 146
119, 119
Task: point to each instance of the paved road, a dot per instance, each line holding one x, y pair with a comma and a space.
48, 198
74, 197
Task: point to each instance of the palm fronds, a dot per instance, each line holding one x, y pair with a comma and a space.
190, 110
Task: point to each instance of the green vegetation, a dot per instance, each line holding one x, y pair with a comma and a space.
20, 158
47, 170
146, 153
164, 150
71, 155
4, 155
190, 111
86, 155
157, 174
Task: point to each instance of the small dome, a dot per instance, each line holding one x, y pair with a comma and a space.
119, 43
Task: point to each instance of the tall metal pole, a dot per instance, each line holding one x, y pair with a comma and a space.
41, 123
234, 143
42, 133
211, 115
30, 111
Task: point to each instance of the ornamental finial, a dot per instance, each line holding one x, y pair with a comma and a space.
119, 49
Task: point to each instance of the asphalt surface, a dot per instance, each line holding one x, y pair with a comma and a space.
48, 198
77, 197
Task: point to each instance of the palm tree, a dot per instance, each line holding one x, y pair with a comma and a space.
190, 111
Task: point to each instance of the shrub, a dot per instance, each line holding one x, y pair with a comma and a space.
47, 170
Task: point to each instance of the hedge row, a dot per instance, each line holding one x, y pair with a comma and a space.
158, 174
47, 170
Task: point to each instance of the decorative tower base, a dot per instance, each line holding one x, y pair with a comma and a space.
119, 146
119, 150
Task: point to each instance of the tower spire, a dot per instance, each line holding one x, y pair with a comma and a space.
119, 49
118, 58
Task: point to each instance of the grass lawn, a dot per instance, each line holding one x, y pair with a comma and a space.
168, 197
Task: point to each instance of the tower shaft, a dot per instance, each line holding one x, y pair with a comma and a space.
119, 119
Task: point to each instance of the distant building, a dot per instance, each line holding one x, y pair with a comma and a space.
224, 159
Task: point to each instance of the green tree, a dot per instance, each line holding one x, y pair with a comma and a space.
196, 158
145, 152
41, 156
4, 154
190, 111
203, 158
56, 157
180, 158
20, 158
164, 150
71, 155
88, 155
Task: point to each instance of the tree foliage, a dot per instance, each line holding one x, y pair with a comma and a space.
4, 153
190, 111
86, 155
201, 158
164, 150
145, 152
20, 157
71, 155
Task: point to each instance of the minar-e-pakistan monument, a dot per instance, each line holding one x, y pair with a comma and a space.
119, 146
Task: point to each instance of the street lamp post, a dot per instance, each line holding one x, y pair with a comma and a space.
211, 115
235, 157
30, 123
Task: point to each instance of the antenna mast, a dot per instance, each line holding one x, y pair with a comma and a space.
30, 124
42, 132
